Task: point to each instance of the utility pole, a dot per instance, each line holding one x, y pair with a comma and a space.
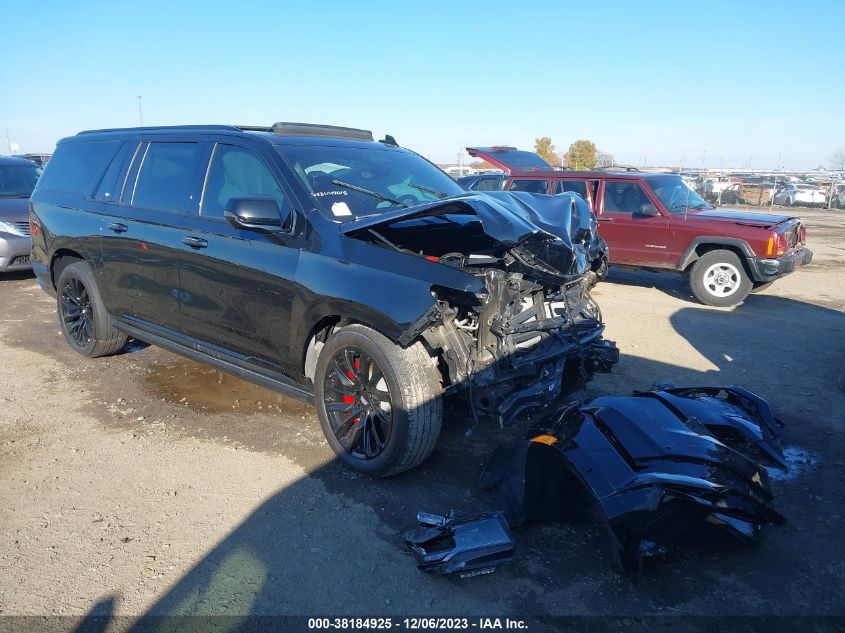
9, 141
775, 187
140, 112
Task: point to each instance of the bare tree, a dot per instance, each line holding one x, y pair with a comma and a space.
604, 159
837, 160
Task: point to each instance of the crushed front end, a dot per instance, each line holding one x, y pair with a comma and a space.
533, 333
522, 346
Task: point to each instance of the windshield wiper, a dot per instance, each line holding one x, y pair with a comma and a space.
433, 192
369, 192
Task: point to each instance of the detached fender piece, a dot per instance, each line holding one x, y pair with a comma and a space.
661, 478
460, 544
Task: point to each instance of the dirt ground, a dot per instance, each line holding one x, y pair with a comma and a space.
147, 484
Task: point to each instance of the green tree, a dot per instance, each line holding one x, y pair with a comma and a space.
544, 149
581, 155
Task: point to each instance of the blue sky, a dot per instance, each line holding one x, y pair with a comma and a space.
719, 82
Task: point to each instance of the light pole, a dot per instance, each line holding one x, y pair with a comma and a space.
140, 112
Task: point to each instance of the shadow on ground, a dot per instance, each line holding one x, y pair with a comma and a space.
330, 543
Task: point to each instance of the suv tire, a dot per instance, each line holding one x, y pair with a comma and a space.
394, 391
83, 319
718, 278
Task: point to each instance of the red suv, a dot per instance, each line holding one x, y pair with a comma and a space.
654, 221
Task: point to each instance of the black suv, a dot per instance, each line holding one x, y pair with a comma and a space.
315, 261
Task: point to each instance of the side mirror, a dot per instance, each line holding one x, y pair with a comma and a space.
648, 209
255, 212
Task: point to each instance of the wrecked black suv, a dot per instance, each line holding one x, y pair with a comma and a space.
327, 266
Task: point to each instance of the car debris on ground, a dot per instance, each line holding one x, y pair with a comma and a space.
668, 468
461, 544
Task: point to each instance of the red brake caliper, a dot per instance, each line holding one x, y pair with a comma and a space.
351, 399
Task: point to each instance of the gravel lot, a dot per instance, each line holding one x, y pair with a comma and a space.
148, 484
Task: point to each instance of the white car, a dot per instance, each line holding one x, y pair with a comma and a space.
800, 195
715, 186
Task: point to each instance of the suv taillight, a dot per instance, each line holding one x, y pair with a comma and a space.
802, 234
777, 244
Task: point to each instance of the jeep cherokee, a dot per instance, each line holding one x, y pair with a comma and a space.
654, 221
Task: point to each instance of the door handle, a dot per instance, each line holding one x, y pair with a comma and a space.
605, 219
195, 242
117, 227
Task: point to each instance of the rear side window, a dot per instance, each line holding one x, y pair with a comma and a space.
76, 167
575, 186
167, 177
531, 186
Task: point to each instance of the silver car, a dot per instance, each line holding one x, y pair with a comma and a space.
17, 180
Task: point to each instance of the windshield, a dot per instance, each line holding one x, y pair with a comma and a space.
18, 181
675, 195
349, 182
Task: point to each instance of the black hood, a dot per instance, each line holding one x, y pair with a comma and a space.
554, 235
14, 209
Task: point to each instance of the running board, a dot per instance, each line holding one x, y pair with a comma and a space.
217, 359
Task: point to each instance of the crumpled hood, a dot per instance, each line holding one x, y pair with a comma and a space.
14, 209
556, 235
748, 218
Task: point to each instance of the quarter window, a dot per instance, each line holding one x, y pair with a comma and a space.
76, 166
237, 172
167, 177
489, 184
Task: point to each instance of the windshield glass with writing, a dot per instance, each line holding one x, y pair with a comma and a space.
18, 181
675, 195
349, 182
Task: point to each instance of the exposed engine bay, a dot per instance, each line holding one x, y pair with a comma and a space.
534, 333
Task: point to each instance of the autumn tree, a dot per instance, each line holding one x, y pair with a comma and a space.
544, 149
581, 155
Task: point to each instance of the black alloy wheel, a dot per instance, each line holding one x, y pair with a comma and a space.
77, 312
358, 403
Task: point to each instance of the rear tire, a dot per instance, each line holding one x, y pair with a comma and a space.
718, 278
394, 392
86, 325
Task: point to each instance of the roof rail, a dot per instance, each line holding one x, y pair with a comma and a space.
310, 129
155, 128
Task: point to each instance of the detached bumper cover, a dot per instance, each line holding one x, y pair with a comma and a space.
767, 269
667, 468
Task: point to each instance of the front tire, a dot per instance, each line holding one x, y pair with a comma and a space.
379, 405
718, 278
85, 323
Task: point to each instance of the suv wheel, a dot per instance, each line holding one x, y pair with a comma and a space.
718, 278
379, 405
86, 325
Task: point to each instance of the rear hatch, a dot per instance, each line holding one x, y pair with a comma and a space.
509, 159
